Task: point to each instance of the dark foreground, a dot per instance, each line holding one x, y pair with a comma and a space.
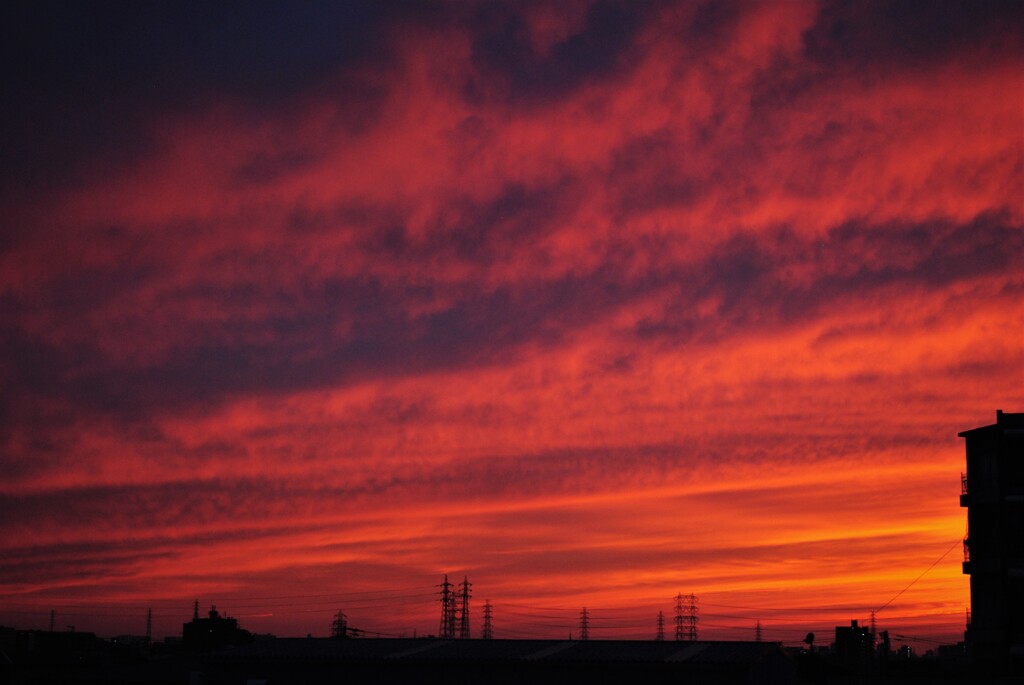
314, 661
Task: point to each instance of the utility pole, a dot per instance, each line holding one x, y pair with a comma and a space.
149, 625
464, 610
757, 631
446, 631
584, 624
195, 610
661, 627
488, 634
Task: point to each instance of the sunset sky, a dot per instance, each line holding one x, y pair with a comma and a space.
304, 305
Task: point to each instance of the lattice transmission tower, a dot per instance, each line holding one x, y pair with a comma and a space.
584, 624
464, 609
679, 616
690, 618
488, 633
661, 627
686, 617
446, 630
339, 626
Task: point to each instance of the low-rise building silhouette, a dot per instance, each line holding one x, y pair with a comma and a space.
212, 632
993, 492
854, 647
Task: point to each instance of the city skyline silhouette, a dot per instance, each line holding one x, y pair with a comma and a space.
593, 304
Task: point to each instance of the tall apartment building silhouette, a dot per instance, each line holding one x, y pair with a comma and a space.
993, 492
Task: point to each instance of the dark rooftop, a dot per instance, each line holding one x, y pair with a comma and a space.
426, 650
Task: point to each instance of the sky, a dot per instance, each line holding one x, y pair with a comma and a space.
303, 306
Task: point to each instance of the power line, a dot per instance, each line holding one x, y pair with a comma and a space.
920, 639
934, 564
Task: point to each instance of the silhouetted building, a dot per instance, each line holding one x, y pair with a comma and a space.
854, 646
212, 632
993, 492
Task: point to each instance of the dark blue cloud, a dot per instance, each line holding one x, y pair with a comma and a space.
83, 80
482, 232
746, 274
872, 40
502, 51
166, 52
288, 338
913, 33
649, 173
